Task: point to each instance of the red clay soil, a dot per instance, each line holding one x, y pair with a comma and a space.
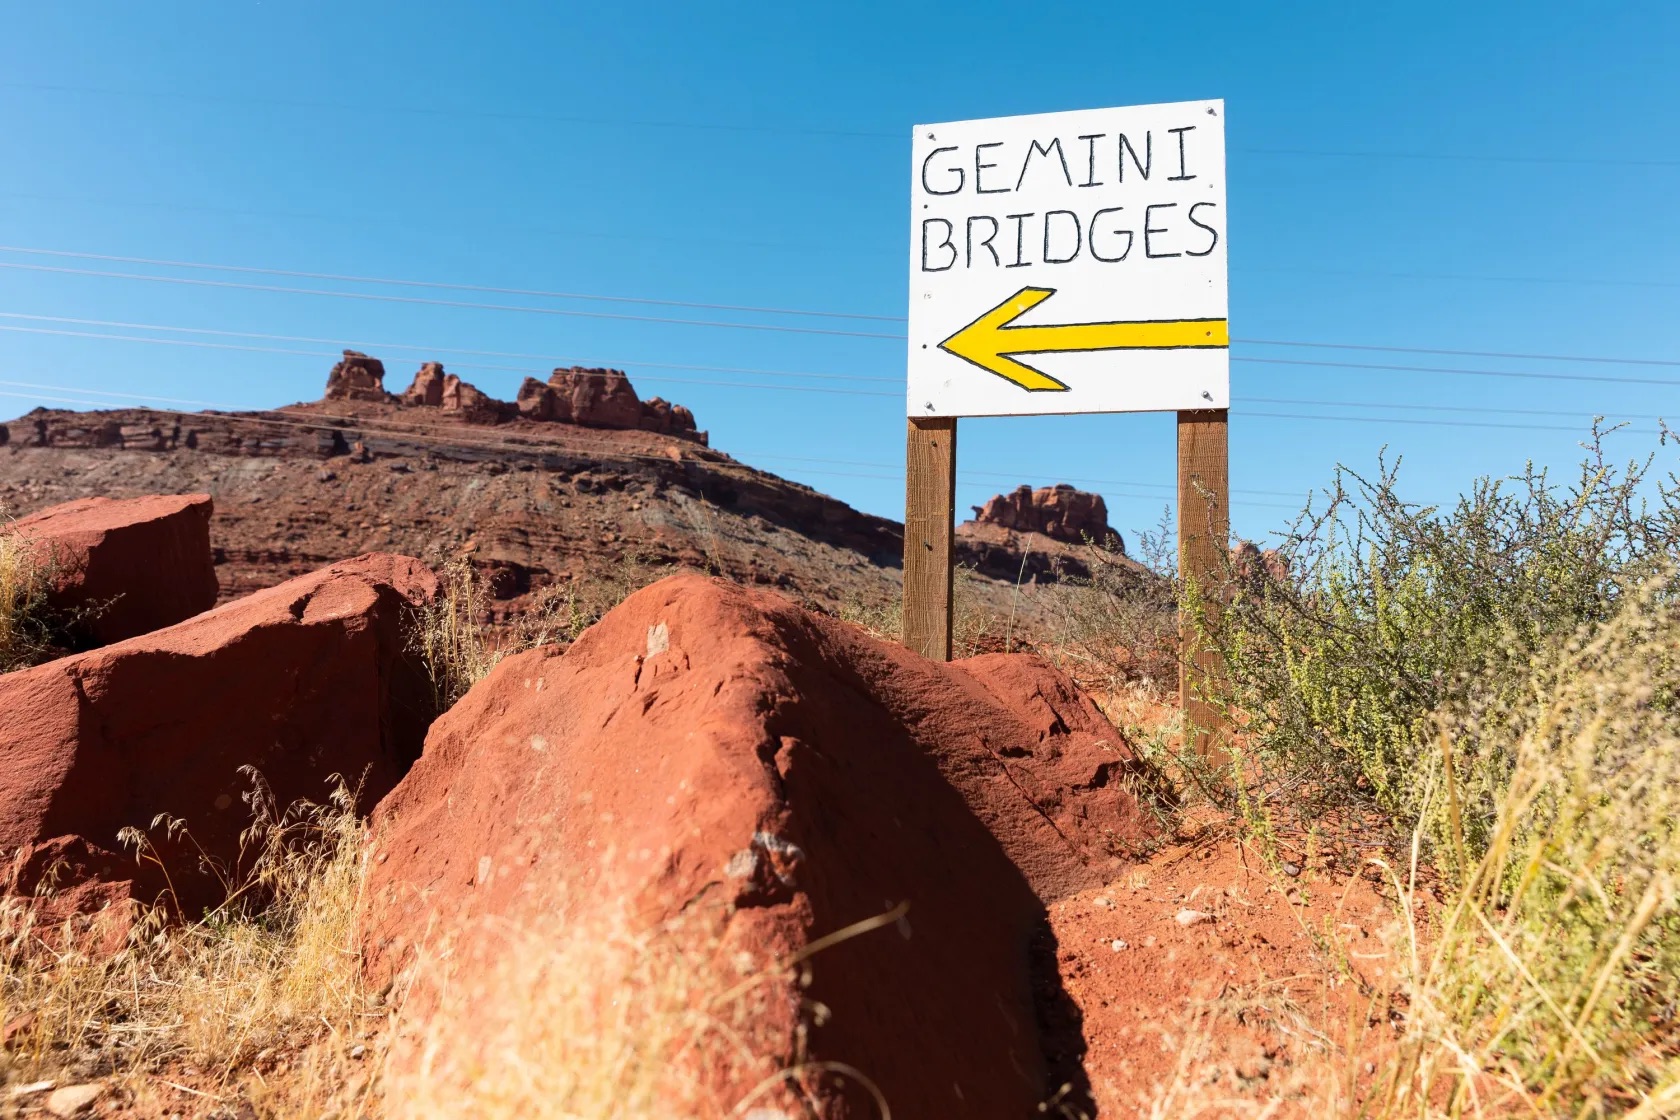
1203, 976
730, 749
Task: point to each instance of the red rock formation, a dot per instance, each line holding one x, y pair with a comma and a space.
1252, 566
475, 407
792, 775
537, 401
303, 681
659, 415
123, 568
596, 398
357, 378
427, 389
1059, 512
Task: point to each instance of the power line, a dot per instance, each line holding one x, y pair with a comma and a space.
657, 379
1589, 281
252, 269
1019, 473
1460, 353
382, 297
1524, 374
661, 379
793, 130
365, 217
431, 302
1441, 423
1455, 157
429, 349
1478, 409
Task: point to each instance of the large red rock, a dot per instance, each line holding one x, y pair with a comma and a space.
357, 377
537, 401
125, 567
299, 682
712, 746
426, 390
474, 405
596, 398
660, 415
1059, 512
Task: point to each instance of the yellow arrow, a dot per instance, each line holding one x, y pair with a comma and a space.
990, 341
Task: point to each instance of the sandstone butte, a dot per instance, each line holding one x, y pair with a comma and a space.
715, 749
301, 682
551, 489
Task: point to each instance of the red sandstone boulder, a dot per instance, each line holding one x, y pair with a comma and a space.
660, 415
357, 378
1252, 567
300, 682
475, 406
709, 749
427, 388
596, 398
537, 401
1059, 512
125, 567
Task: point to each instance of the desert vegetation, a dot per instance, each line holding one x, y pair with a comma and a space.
1475, 707
26, 629
1494, 688
257, 1005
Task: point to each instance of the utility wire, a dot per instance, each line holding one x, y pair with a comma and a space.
663, 379
383, 297
902, 134
1673, 362
364, 218
434, 284
431, 302
658, 379
198, 344
1522, 374
428, 349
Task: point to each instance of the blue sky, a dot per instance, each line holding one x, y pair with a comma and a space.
1493, 177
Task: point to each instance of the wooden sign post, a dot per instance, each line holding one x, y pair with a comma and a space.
1066, 263
930, 501
1204, 541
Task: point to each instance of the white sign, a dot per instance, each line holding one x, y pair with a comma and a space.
1069, 262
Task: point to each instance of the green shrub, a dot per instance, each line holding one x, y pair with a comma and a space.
1552, 982
1394, 614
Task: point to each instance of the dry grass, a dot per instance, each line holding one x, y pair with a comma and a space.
25, 631
455, 640
1547, 985
601, 1019
262, 1006
974, 627
1117, 631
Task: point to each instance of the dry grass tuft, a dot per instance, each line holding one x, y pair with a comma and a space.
26, 633
455, 639
1117, 631
221, 1005
1548, 984
1553, 984
600, 1019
